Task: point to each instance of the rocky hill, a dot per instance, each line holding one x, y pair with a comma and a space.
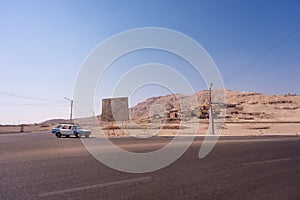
240, 106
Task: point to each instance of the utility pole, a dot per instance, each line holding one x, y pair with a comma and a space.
211, 117
71, 104
93, 120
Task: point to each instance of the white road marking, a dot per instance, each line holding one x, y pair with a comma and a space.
267, 161
59, 192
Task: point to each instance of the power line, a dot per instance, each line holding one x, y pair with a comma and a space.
30, 104
265, 53
30, 97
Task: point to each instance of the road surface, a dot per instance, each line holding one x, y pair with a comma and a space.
40, 166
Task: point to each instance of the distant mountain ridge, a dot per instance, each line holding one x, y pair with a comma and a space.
55, 121
240, 105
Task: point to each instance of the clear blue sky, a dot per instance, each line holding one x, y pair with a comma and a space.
255, 44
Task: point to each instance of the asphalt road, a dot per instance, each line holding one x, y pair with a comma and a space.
40, 166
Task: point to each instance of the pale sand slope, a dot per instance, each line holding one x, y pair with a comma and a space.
228, 129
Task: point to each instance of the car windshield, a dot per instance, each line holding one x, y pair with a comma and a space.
77, 127
58, 126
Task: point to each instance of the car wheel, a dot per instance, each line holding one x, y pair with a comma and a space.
78, 135
58, 135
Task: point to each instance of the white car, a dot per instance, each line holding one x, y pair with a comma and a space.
70, 129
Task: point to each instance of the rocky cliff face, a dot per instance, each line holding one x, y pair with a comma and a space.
240, 106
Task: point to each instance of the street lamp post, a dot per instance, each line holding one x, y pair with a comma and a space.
211, 117
71, 104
